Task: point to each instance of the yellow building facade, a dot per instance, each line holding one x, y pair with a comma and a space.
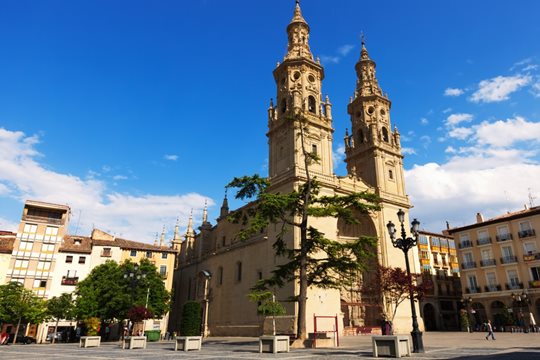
500, 267
217, 269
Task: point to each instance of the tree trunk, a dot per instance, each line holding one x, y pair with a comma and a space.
55, 330
302, 295
17, 330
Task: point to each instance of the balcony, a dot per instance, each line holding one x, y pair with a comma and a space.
43, 219
514, 286
468, 265
488, 262
483, 241
473, 290
504, 237
534, 284
531, 257
465, 244
509, 259
72, 281
163, 275
492, 288
526, 233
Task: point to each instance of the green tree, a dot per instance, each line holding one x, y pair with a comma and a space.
316, 261
109, 291
18, 304
60, 307
191, 319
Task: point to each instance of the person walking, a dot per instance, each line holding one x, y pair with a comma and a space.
490, 330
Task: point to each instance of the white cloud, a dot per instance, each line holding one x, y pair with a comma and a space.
8, 225
120, 177
171, 157
460, 133
345, 49
447, 110
455, 119
505, 133
424, 121
536, 89
490, 176
338, 155
133, 217
499, 88
453, 92
408, 151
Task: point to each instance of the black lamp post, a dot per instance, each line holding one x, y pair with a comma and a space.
521, 300
467, 302
135, 276
405, 244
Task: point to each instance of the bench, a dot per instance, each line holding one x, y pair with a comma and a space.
89, 341
187, 343
134, 342
391, 345
274, 343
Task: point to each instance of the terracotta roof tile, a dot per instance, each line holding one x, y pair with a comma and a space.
76, 244
6, 243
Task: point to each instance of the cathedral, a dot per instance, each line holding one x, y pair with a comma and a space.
217, 269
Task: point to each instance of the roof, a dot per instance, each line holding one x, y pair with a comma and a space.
424, 232
7, 239
135, 245
71, 245
499, 219
46, 204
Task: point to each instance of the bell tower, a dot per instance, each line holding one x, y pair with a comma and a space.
373, 150
299, 101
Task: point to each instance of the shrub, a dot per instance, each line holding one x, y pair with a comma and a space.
92, 324
191, 319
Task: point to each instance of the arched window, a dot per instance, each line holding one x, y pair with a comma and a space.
220, 275
312, 105
239, 271
385, 134
283, 106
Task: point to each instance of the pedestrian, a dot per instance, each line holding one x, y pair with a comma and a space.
490, 330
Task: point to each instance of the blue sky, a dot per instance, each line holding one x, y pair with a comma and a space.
136, 112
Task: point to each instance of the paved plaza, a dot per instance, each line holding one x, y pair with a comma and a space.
439, 345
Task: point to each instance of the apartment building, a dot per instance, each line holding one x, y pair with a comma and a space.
7, 239
500, 267
440, 270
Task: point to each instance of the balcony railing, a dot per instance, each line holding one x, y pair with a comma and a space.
504, 237
492, 288
531, 257
469, 265
509, 259
473, 290
488, 262
43, 219
483, 241
526, 233
70, 280
514, 286
163, 275
465, 244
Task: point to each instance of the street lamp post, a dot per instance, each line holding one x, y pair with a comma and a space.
467, 302
521, 300
134, 277
405, 244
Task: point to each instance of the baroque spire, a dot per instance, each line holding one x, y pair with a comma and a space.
162, 239
367, 83
224, 211
189, 230
205, 212
298, 34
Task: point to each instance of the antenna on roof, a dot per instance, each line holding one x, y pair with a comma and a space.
531, 199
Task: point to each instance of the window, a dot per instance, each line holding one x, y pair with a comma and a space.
69, 259
239, 271
314, 149
259, 275
423, 240
40, 284
312, 105
163, 271
535, 273
82, 259
486, 254
47, 248
220, 275
524, 226
473, 284
360, 136
51, 233
106, 252
25, 246
29, 231
467, 258
223, 241
44, 265
133, 253
283, 107
21, 264
385, 134
491, 279
513, 279
507, 252
529, 248
424, 255
164, 255
390, 174
149, 254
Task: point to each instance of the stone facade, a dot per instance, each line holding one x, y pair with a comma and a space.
374, 163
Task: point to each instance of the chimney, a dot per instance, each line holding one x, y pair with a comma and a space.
479, 218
